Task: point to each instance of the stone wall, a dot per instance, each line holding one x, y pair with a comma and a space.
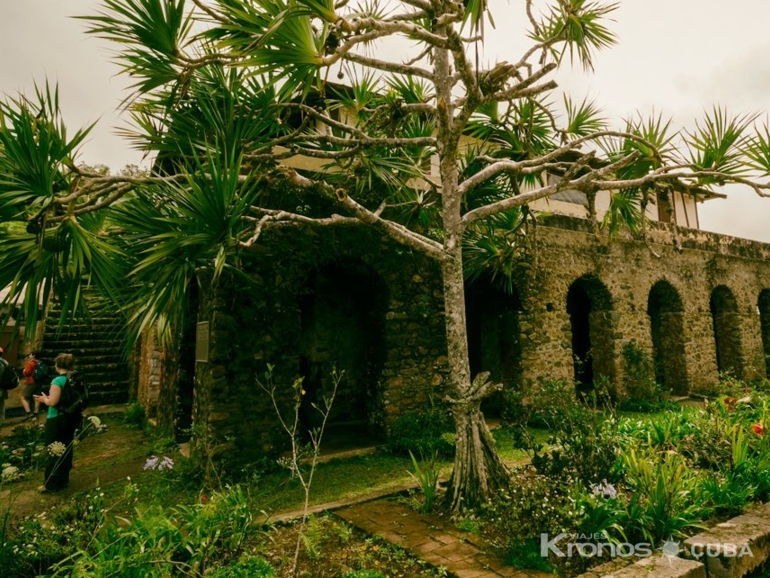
334, 300
374, 309
698, 277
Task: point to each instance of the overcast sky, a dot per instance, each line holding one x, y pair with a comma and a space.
679, 57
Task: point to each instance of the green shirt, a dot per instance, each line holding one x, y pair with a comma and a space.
60, 381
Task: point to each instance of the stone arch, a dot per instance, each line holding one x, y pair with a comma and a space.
763, 308
494, 336
727, 331
589, 306
342, 326
666, 312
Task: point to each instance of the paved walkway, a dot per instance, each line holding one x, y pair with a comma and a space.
429, 538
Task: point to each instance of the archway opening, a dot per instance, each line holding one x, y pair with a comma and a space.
342, 316
727, 331
494, 337
664, 306
589, 307
763, 306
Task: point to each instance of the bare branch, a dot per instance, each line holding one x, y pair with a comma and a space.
397, 232
591, 177
273, 219
407, 69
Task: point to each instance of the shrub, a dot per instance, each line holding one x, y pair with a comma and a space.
583, 441
533, 505
638, 376
427, 431
364, 574
134, 416
192, 538
254, 567
665, 497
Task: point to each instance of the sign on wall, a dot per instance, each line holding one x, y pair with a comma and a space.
202, 334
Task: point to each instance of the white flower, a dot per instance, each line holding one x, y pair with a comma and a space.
95, 421
56, 449
9, 473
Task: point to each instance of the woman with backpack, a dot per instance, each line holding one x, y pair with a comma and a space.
59, 428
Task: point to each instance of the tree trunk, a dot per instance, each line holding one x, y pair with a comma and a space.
478, 470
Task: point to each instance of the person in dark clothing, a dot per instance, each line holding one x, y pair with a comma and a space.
59, 428
3, 393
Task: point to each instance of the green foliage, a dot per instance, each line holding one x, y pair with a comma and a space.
134, 416
151, 31
525, 554
423, 430
320, 533
247, 567
23, 449
468, 522
157, 540
582, 442
363, 574
426, 472
665, 497
638, 375
532, 505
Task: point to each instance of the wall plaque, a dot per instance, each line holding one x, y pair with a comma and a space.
202, 342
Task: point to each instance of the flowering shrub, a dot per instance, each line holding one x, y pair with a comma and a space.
159, 464
23, 449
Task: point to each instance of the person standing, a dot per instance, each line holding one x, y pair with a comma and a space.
31, 387
59, 428
3, 393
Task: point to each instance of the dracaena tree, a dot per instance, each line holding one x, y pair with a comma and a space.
234, 100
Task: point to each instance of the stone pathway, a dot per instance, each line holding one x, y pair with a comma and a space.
429, 538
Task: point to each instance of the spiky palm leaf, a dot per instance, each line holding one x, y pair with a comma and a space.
577, 28
718, 143
152, 33
180, 232
273, 37
34, 154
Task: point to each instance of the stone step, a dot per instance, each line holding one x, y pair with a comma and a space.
86, 343
730, 549
736, 547
657, 566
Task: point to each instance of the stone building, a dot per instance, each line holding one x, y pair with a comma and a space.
696, 304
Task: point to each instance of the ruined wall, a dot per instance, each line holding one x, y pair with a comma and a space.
267, 321
313, 298
567, 250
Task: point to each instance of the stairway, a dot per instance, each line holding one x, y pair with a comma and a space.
99, 351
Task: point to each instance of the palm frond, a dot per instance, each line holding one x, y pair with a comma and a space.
584, 118
151, 33
580, 26
718, 142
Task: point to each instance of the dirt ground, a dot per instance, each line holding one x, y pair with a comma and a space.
99, 459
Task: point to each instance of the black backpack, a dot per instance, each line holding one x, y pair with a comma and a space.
74, 396
9, 379
41, 372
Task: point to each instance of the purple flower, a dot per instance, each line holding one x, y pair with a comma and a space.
159, 464
151, 463
605, 490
